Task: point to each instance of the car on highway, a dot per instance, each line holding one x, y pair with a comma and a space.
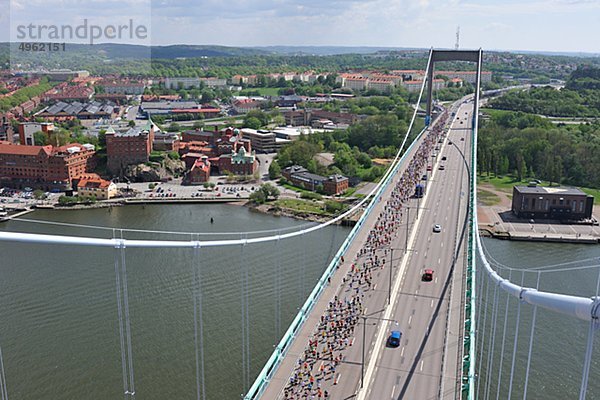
424, 177
429, 168
450, 142
444, 158
394, 338
462, 139
441, 167
437, 228
427, 275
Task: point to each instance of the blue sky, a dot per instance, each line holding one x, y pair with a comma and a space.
550, 25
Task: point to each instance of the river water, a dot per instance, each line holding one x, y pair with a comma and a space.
58, 311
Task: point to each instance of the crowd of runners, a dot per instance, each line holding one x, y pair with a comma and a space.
316, 367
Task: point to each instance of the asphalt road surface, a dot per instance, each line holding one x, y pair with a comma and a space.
429, 314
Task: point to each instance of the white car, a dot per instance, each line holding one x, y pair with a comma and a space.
437, 228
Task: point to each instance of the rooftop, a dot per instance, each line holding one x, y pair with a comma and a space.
549, 190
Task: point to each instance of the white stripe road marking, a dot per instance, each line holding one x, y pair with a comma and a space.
431, 303
421, 368
442, 244
439, 260
393, 390
402, 352
409, 319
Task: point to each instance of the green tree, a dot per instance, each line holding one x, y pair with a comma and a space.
39, 138
274, 170
258, 197
252, 123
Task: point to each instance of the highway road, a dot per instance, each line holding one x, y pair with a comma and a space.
345, 383
429, 314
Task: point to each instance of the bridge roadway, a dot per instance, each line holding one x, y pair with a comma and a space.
426, 365
348, 374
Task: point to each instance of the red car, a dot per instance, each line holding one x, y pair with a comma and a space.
427, 275
429, 168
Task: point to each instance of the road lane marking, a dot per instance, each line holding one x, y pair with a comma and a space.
431, 303
421, 368
393, 390
442, 244
402, 352
409, 319
439, 260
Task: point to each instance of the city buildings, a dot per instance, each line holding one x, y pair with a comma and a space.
95, 187
63, 111
415, 86
238, 162
165, 141
331, 185
563, 203
466, 76
409, 79
242, 106
44, 167
199, 172
131, 147
188, 83
262, 141
150, 108
307, 117
122, 86
68, 92
27, 130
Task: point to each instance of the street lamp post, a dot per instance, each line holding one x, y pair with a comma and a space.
391, 268
390, 284
407, 222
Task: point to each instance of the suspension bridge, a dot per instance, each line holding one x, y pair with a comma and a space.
459, 338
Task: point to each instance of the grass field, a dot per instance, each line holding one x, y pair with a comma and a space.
487, 198
301, 205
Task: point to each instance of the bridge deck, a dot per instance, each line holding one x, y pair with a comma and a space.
337, 287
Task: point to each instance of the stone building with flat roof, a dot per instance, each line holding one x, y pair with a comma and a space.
562, 203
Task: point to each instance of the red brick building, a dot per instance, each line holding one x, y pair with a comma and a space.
199, 173
44, 167
131, 147
299, 176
